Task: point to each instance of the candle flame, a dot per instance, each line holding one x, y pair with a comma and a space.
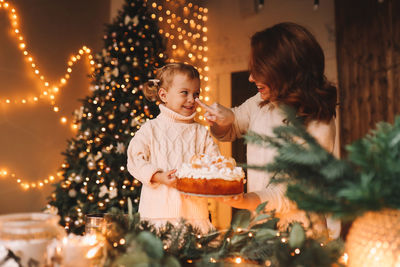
90, 240
92, 252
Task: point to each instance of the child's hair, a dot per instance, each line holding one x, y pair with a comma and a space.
164, 77
288, 59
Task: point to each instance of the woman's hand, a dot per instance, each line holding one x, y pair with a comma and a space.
233, 201
167, 178
217, 114
248, 201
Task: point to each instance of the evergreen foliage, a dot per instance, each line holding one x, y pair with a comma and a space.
317, 181
252, 237
95, 178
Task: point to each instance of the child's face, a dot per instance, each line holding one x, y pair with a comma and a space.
264, 89
181, 95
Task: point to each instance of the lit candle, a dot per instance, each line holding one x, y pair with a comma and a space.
94, 224
80, 251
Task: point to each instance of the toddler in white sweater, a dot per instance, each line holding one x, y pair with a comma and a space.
163, 144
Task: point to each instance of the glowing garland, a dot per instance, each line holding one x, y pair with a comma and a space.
49, 90
28, 185
187, 40
194, 42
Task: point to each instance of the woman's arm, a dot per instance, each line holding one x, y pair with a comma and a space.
324, 133
229, 124
248, 201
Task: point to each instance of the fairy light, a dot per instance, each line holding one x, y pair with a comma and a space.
46, 86
187, 36
25, 185
187, 39
238, 260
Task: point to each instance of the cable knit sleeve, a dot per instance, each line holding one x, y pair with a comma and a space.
139, 165
242, 120
275, 194
324, 133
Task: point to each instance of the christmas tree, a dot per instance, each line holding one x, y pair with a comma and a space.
94, 173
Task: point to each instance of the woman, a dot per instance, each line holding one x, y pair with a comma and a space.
287, 66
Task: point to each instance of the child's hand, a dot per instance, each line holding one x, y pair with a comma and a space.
168, 178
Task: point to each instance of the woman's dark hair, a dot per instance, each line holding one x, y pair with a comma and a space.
288, 59
165, 76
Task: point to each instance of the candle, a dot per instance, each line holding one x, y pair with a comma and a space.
81, 251
94, 223
29, 235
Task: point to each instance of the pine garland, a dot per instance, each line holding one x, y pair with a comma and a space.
317, 181
252, 238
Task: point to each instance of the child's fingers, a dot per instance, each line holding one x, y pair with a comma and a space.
171, 174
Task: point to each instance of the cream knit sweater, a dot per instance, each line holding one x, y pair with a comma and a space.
163, 144
251, 117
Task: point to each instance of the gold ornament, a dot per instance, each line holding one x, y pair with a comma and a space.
374, 239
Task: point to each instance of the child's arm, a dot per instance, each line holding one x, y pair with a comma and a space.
139, 165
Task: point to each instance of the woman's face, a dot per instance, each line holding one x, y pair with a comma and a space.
262, 88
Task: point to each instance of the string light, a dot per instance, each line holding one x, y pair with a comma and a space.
188, 40
26, 184
238, 260
48, 90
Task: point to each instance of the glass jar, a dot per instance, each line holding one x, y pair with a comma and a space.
28, 235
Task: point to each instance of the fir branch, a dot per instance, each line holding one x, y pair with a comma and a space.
317, 181
258, 241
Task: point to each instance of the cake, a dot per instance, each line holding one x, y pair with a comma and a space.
210, 175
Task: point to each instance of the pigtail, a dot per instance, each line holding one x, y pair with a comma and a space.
150, 89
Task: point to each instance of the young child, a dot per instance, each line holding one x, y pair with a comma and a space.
163, 144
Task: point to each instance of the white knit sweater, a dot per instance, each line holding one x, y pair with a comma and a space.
251, 117
163, 144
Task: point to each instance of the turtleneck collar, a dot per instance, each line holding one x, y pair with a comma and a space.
173, 116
